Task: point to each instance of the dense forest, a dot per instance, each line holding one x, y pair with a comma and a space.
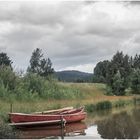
121, 74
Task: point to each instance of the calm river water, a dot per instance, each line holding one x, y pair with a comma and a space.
115, 124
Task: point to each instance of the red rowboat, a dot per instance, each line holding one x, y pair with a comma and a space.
74, 115
38, 123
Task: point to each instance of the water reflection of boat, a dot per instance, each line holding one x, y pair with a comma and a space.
54, 131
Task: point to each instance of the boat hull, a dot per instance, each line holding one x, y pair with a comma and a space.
20, 117
37, 123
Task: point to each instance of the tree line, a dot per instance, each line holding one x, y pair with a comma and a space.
34, 80
39, 80
121, 73
38, 63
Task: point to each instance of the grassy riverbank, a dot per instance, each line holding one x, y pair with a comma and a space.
90, 95
84, 94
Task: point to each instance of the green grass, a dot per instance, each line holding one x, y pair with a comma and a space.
75, 94
90, 95
103, 105
98, 106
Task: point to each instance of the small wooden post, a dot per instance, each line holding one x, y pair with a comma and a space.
62, 127
11, 107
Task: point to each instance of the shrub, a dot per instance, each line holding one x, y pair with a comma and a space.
109, 91
103, 105
135, 82
136, 100
8, 77
34, 83
99, 106
3, 90
120, 103
118, 87
7, 132
90, 108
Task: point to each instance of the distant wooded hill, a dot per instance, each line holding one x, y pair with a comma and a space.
73, 76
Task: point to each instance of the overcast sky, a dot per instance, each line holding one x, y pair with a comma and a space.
74, 35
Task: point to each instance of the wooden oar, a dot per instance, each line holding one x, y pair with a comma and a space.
54, 111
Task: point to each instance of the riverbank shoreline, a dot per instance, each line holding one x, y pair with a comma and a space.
92, 97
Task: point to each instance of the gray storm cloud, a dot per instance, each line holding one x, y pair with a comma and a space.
75, 35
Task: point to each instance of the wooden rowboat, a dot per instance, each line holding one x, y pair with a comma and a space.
37, 123
74, 115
